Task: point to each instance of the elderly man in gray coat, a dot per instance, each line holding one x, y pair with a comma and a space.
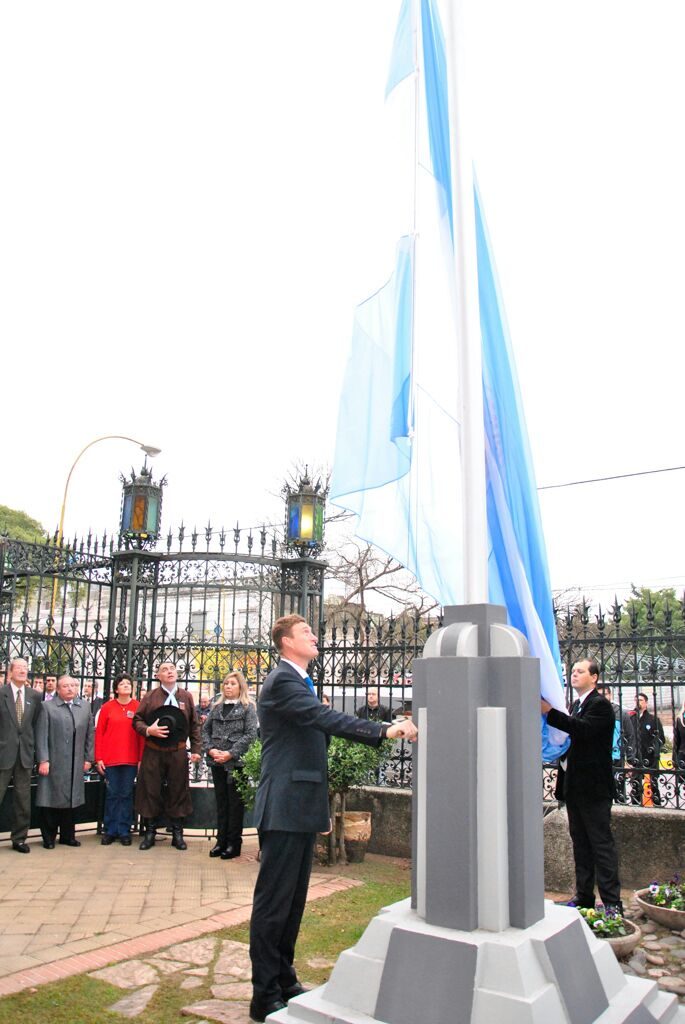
64, 751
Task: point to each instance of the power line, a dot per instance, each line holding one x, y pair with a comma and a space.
618, 476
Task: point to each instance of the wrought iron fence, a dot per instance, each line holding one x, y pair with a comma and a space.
208, 601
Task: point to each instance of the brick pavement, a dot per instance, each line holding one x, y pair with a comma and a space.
65, 911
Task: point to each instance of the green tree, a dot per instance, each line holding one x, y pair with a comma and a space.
20, 526
652, 611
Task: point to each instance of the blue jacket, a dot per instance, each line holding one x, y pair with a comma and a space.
292, 795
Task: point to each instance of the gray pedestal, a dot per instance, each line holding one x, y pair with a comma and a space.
405, 971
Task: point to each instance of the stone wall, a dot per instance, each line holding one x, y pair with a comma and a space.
651, 842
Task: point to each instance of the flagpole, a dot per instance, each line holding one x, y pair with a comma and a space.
475, 538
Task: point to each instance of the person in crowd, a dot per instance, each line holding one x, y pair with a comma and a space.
20, 709
228, 730
204, 707
679, 747
325, 700
648, 740
89, 693
291, 806
622, 747
372, 711
38, 684
585, 783
64, 750
50, 688
118, 750
166, 718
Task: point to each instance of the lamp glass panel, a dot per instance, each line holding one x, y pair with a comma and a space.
152, 509
138, 520
126, 514
318, 523
307, 525
294, 522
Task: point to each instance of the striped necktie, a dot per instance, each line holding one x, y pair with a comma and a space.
20, 707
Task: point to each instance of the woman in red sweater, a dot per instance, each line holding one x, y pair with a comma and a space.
118, 750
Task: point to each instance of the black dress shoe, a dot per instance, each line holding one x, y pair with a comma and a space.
293, 990
260, 1011
48, 844
21, 847
69, 842
216, 851
107, 840
230, 852
125, 840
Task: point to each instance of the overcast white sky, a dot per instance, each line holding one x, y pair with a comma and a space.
191, 205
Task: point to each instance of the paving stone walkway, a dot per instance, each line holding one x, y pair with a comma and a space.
67, 911
225, 964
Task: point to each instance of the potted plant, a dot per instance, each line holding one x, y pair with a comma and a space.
621, 934
664, 903
349, 764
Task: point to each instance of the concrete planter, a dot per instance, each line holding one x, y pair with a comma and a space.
674, 919
623, 945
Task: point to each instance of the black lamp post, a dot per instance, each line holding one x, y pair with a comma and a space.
141, 509
305, 507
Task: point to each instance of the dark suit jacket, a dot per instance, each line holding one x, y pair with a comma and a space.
293, 788
588, 776
13, 739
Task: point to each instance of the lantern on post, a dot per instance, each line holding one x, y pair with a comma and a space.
141, 509
305, 507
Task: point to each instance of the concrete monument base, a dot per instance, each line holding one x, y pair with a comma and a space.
406, 971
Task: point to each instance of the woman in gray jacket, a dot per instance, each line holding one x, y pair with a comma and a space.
227, 732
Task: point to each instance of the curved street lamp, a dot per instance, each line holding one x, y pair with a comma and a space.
147, 448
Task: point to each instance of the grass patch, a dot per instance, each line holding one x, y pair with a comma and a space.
329, 926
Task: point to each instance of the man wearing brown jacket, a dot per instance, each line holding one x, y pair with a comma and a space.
163, 787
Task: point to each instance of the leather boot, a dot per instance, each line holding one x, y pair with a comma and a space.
148, 840
177, 840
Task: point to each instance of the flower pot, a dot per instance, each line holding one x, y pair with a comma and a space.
667, 918
357, 825
623, 945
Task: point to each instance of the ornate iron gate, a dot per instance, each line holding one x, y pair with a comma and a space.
207, 602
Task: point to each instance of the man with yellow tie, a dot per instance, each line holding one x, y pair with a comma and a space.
20, 707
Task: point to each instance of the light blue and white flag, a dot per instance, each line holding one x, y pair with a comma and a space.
398, 453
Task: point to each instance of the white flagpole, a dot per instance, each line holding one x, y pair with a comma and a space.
475, 538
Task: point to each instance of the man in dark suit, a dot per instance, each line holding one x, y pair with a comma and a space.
292, 806
585, 782
20, 707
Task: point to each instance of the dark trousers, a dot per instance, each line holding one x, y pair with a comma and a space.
21, 779
229, 810
118, 816
279, 899
163, 784
594, 852
53, 818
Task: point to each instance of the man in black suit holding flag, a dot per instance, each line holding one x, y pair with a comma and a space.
292, 805
585, 783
